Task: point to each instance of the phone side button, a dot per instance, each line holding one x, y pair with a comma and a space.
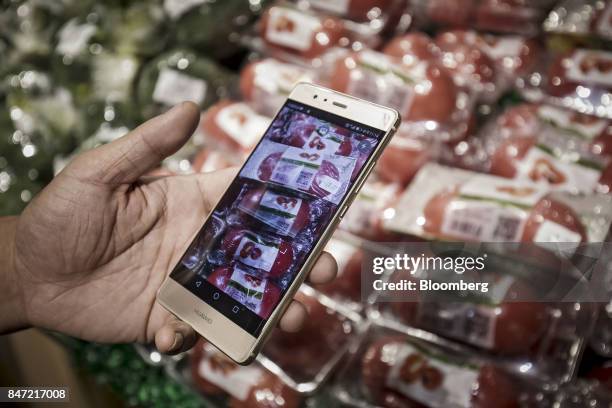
342, 211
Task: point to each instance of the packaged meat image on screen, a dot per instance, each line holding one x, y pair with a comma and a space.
317, 172
273, 214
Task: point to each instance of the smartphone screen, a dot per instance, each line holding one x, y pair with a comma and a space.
250, 250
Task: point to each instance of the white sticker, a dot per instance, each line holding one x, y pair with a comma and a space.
329, 184
552, 232
278, 211
217, 369
242, 124
604, 26
487, 221
370, 203
500, 47
174, 87
543, 168
73, 38
340, 7
291, 28
590, 66
296, 168
584, 126
176, 8
514, 192
379, 80
453, 384
322, 141
246, 288
256, 253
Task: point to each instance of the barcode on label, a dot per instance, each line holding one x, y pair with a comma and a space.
466, 228
281, 178
304, 179
507, 228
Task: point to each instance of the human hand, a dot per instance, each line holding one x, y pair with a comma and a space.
92, 249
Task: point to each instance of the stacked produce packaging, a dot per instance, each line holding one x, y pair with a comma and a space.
506, 139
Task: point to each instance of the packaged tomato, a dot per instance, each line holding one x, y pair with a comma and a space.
578, 79
233, 125
506, 319
296, 32
469, 64
265, 84
260, 295
421, 91
411, 47
397, 371
556, 147
286, 214
252, 386
309, 355
270, 255
365, 216
582, 18
456, 204
356, 10
317, 172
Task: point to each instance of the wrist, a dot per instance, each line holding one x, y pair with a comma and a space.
13, 314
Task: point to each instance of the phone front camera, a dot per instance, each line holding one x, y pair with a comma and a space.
315, 97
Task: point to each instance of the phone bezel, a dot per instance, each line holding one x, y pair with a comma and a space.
216, 328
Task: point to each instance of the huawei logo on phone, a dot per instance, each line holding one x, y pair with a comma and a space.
203, 316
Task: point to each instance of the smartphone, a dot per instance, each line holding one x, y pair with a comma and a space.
244, 265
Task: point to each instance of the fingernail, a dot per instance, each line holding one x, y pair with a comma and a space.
178, 341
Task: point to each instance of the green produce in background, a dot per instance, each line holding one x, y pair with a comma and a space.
178, 76
139, 29
212, 26
43, 116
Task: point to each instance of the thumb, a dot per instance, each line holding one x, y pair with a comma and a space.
129, 157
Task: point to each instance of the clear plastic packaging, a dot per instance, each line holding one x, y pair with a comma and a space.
266, 83
501, 16
578, 79
559, 148
232, 126
303, 33
456, 204
581, 18
307, 358
392, 369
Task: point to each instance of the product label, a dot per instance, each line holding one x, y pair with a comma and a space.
278, 211
552, 232
540, 166
604, 25
274, 81
246, 288
367, 207
334, 6
381, 81
176, 8
580, 125
590, 66
225, 374
322, 141
488, 221
73, 38
501, 47
296, 168
505, 192
174, 87
436, 383
291, 28
256, 252
472, 322
242, 124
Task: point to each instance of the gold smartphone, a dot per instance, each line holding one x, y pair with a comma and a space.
253, 252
